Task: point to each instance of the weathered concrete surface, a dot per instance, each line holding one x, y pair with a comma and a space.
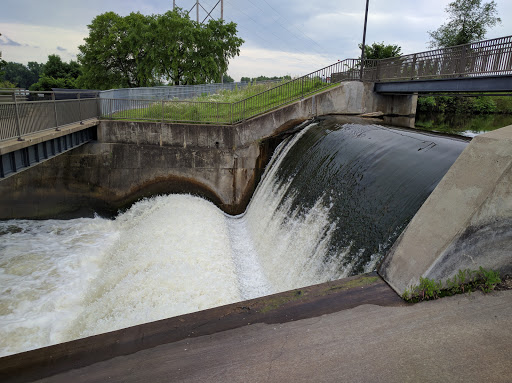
465, 223
294, 305
457, 339
12, 145
104, 177
132, 160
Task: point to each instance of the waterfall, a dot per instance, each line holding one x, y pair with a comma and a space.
333, 199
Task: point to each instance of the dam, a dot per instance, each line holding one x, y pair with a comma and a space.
332, 201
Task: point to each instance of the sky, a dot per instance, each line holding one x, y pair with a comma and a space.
282, 37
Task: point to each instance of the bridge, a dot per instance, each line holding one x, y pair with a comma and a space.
36, 126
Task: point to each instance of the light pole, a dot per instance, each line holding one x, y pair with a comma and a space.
364, 40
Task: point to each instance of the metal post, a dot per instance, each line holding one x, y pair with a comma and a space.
222, 9
55, 111
18, 125
364, 40
173, 4
98, 107
162, 110
79, 110
197, 10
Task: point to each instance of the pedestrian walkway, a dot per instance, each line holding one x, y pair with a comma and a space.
464, 338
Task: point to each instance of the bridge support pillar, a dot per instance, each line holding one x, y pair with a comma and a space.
398, 110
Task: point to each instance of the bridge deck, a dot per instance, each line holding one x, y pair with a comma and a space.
17, 155
466, 84
14, 144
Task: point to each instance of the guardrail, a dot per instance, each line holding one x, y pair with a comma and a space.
20, 118
484, 58
176, 92
231, 113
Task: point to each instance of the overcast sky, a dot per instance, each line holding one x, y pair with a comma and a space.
282, 37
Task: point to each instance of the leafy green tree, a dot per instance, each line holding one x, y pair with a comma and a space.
139, 50
3, 63
57, 74
379, 51
22, 76
227, 78
468, 22
265, 78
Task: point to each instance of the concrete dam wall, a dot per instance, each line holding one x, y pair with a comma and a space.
465, 223
132, 160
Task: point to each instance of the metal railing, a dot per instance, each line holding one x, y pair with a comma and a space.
175, 92
231, 113
483, 58
20, 118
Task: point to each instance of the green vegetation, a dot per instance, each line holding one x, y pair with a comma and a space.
141, 51
465, 105
468, 22
3, 63
465, 281
57, 74
265, 78
227, 106
378, 51
43, 77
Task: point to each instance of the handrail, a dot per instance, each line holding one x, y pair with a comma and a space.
18, 116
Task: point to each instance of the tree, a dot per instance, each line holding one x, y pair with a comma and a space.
379, 51
3, 63
57, 74
468, 22
139, 50
265, 78
227, 79
22, 76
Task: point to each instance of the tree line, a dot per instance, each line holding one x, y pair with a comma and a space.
137, 51
147, 50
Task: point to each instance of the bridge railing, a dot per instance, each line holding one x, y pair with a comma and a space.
483, 58
29, 112
20, 117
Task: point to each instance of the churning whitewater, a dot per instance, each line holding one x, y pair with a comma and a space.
333, 199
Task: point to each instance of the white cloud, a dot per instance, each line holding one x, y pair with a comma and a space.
35, 42
254, 62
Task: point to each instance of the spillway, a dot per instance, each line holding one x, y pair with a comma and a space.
332, 201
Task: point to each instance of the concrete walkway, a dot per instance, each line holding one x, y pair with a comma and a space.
465, 338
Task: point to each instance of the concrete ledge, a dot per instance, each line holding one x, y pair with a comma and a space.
465, 223
12, 145
307, 302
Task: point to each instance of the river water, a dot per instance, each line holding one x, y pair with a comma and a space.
332, 201
469, 125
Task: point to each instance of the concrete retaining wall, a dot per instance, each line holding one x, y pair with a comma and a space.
131, 160
465, 223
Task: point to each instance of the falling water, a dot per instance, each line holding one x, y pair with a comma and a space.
331, 202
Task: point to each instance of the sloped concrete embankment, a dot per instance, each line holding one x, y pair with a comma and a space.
465, 223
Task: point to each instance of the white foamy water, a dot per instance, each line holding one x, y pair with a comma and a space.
165, 256
292, 245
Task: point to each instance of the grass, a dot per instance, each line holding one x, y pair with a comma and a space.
226, 106
465, 281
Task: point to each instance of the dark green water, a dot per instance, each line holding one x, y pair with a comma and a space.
460, 124
374, 179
